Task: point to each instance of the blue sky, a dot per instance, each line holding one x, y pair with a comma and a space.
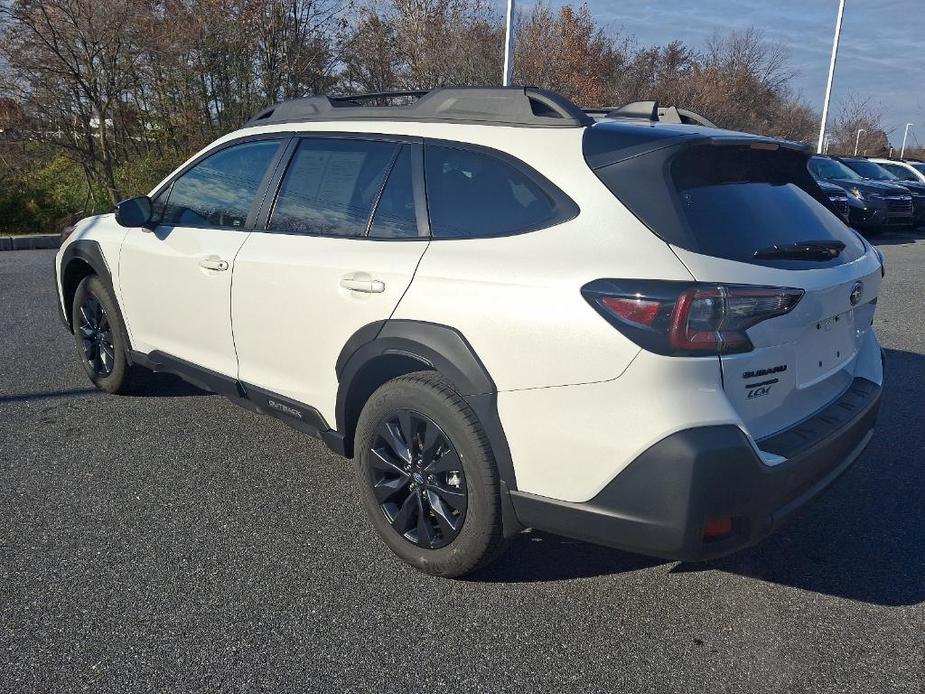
881, 55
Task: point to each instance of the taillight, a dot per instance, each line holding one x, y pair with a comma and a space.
688, 319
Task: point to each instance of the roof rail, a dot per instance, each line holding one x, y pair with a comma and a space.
516, 106
378, 96
651, 111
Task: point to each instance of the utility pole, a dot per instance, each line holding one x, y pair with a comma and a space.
509, 43
902, 154
857, 140
828, 85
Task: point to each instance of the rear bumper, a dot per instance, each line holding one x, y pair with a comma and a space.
660, 503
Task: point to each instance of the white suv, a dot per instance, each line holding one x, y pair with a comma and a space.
511, 315
903, 170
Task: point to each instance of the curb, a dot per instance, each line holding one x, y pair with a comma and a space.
28, 243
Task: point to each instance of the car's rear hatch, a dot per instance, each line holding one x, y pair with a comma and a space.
802, 360
738, 210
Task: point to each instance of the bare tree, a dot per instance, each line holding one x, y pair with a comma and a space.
294, 48
70, 63
858, 114
421, 44
565, 51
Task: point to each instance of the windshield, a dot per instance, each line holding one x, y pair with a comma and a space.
829, 168
918, 167
901, 172
868, 169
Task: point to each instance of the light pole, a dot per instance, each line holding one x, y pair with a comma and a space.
828, 85
902, 153
857, 140
509, 44
825, 143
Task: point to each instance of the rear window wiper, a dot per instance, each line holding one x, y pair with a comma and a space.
802, 250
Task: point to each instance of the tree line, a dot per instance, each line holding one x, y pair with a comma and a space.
100, 100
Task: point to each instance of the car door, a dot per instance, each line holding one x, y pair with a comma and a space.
175, 279
342, 241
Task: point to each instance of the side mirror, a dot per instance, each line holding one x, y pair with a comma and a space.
134, 212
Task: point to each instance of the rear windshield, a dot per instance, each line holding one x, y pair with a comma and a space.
731, 201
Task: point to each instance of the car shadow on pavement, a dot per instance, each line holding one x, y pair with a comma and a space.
538, 557
160, 385
49, 395
864, 539
166, 385
897, 238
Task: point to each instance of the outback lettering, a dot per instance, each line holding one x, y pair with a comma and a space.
285, 409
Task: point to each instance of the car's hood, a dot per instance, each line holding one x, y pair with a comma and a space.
830, 188
914, 186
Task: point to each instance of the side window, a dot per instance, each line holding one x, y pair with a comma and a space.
395, 215
219, 191
901, 172
470, 194
330, 186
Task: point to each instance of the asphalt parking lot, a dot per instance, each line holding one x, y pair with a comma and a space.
173, 542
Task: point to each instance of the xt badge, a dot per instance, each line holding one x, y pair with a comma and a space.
761, 388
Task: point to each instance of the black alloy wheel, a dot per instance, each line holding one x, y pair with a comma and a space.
417, 479
96, 337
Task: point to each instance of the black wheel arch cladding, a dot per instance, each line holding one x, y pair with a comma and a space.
373, 354
81, 258
77, 257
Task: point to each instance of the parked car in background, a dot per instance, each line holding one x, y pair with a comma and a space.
904, 170
873, 205
872, 171
838, 196
644, 334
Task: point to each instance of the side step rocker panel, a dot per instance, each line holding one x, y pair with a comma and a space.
299, 416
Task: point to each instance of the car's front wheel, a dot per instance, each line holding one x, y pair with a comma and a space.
102, 346
427, 477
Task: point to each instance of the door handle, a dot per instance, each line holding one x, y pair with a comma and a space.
214, 264
361, 282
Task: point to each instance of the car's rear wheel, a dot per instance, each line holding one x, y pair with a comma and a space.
100, 338
427, 477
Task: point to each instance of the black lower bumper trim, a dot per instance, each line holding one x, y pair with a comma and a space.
661, 502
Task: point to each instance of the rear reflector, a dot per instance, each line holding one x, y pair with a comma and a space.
634, 310
718, 528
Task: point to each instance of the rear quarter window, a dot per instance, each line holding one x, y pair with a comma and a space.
474, 194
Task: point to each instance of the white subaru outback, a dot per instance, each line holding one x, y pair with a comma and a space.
651, 335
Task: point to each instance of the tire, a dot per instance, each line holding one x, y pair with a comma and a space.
416, 508
100, 338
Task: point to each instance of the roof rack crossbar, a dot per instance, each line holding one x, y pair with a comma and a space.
651, 111
514, 106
